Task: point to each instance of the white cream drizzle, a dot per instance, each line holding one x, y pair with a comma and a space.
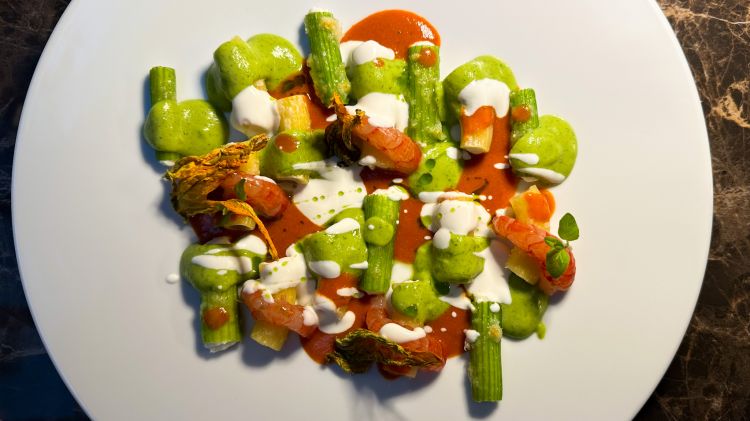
348, 292
240, 264
325, 268
485, 92
328, 321
492, 283
442, 239
368, 161
400, 334
343, 226
457, 298
543, 173
361, 265
361, 52
383, 110
471, 337
254, 112
526, 158
394, 193
337, 189
309, 316
401, 272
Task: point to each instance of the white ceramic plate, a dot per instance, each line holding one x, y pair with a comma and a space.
95, 235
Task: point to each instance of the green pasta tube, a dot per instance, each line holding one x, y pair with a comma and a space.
485, 369
523, 113
215, 271
219, 320
163, 84
381, 214
326, 66
425, 94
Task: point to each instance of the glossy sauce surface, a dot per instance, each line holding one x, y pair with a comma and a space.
395, 29
320, 344
290, 227
452, 338
480, 175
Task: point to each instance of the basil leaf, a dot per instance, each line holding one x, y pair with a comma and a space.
557, 262
239, 190
553, 242
568, 229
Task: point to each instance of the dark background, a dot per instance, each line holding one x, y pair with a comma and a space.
708, 379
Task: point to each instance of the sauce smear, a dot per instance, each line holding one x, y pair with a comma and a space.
452, 339
480, 176
395, 29
320, 344
410, 233
292, 226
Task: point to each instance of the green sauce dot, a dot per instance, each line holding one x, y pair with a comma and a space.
359, 189
315, 199
341, 193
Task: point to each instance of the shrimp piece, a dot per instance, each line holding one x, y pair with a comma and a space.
352, 137
530, 239
267, 198
279, 313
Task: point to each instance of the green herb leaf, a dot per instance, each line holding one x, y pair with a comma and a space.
568, 229
557, 262
554, 242
239, 190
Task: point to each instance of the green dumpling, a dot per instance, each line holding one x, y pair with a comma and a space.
546, 153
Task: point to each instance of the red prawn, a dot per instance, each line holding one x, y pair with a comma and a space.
279, 313
530, 239
353, 137
266, 198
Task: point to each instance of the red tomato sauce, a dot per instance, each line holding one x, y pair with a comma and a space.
395, 29
480, 176
449, 330
320, 344
292, 226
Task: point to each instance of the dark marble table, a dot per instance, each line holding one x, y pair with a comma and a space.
708, 379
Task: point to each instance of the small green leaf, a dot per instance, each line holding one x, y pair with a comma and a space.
568, 229
554, 242
557, 262
239, 190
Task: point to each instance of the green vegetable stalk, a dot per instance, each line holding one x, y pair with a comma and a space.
425, 94
381, 213
485, 369
176, 129
219, 312
523, 113
326, 65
